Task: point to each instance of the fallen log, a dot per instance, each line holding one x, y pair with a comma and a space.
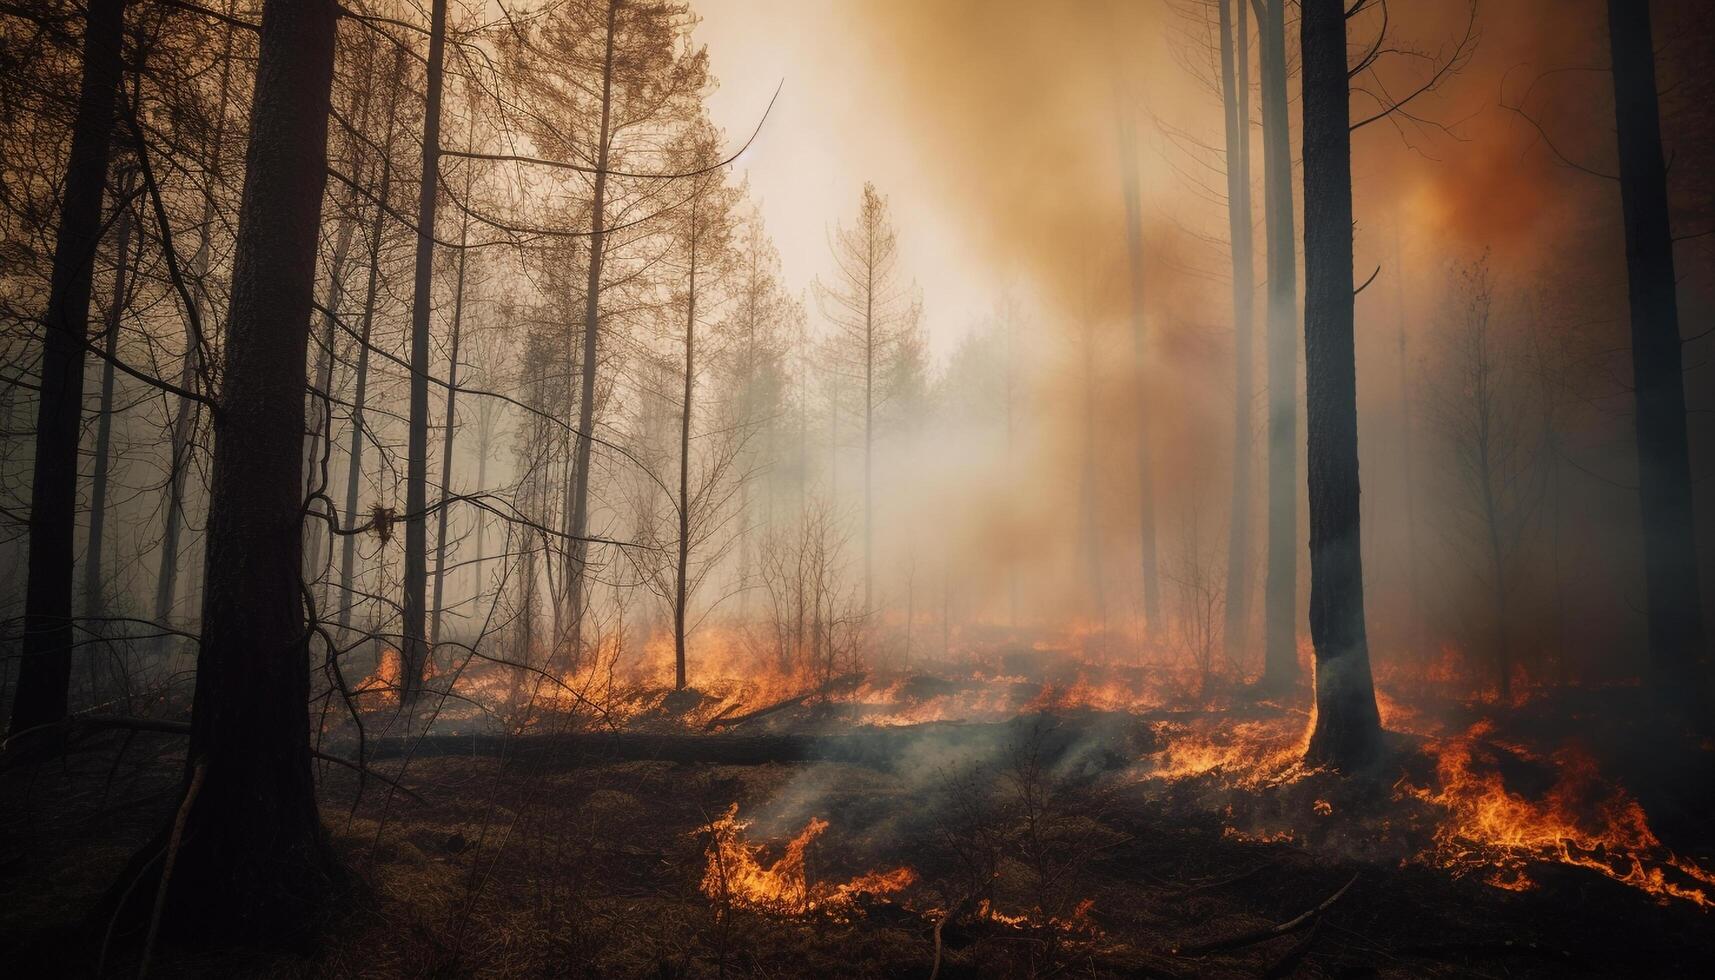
848, 682
1075, 744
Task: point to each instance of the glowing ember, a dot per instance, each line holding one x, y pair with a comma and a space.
1581, 821
737, 878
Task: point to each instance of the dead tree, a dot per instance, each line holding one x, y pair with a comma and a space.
1347, 733
871, 313
45, 668
413, 648
252, 863
1678, 652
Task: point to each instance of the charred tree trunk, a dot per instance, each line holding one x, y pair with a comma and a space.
1347, 732
1140, 357
579, 529
1676, 634
94, 597
1236, 92
253, 864
360, 393
45, 668
1280, 600
413, 649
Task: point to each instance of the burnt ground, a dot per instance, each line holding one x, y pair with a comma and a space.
546, 864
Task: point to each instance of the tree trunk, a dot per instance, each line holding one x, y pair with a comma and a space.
1676, 635
682, 569
253, 864
1140, 356
413, 650
592, 331
322, 396
1235, 89
95, 601
1280, 629
45, 668
451, 427
360, 392
1347, 732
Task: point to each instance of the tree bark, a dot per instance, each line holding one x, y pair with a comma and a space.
1280, 628
254, 865
1678, 652
1347, 732
1235, 89
44, 672
413, 649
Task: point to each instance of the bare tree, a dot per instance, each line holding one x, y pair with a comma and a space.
873, 313
1480, 401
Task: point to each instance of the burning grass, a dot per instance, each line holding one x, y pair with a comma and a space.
737, 877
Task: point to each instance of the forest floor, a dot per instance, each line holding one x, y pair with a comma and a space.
1037, 859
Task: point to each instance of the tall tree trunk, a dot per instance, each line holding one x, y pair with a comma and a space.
45, 669
1348, 729
1236, 100
1414, 628
1678, 652
1280, 601
1140, 356
360, 392
579, 529
95, 600
869, 432
682, 568
451, 426
253, 864
414, 651
186, 410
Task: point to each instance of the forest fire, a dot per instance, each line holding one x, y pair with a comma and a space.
1581, 820
737, 877
1108, 488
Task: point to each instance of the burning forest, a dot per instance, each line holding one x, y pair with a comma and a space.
899, 488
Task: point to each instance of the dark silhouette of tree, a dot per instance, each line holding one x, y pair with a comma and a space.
1347, 731
45, 669
250, 861
1678, 651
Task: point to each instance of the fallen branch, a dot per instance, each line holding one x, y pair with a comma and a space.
1259, 935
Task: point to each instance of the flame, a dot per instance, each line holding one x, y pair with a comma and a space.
737, 878
1582, 821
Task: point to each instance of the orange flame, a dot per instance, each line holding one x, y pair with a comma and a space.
737, 877
1582, 821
